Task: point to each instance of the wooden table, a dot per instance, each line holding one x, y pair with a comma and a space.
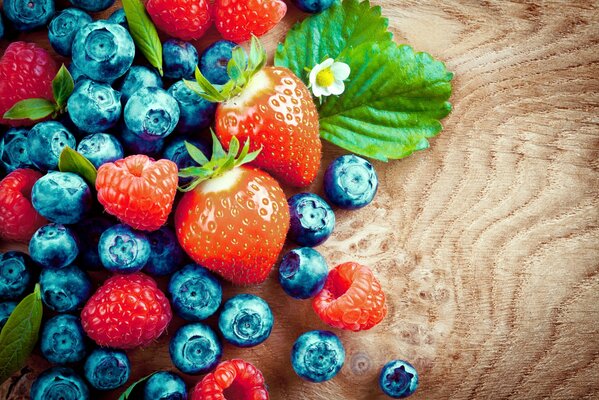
487, 244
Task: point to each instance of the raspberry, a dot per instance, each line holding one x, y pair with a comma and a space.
26, 72
18, 219
182, 19
126, 312
234, 379
352, 298
238, 20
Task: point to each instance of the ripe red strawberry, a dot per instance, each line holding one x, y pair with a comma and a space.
235, 379
182, 19
234, 218
138, 190
18, 219
26, 72
275, 110
352, 298
238, 20
126, 311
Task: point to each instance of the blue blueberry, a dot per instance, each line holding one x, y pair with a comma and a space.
100, 148
53, 246
136, 78
196, 112
59, 383
94, 107
180, 59
46, 141
313, 6
151, 113
246, 320
15, 154
61, 197
164, 385
76, 73
350, 182
312, 219
317, 356
65, 289
6, 308
134, 144
303, 272
27, 15
119, 17
89, 232
196, 294
214, 61
16, 274
123, 249
63, 340
63, 28
1, 27
107, 369
103, 50
92, 5
195, 349
166, 256
398, 379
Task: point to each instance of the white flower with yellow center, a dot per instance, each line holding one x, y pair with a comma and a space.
327, 78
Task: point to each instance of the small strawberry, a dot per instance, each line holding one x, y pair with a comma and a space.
138, 190
182, 19
233, 218
238, 20
273, 108
18, 219
235, 379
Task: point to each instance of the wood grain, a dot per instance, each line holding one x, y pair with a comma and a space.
487, 243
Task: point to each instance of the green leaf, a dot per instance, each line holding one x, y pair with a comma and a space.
20, 334
33, 109
62, 87
128, 394
144, 32
72, 161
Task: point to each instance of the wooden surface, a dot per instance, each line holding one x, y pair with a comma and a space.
487, 243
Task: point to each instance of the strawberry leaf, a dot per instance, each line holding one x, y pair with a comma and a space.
144, 32
33, 109
62, 87
72, 161
196, 154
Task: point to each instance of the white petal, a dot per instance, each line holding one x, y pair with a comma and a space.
313, 75
341, 71
337, 88
317, 90
326, 63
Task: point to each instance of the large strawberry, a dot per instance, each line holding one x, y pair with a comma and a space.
273, 108
238, 20
233, 219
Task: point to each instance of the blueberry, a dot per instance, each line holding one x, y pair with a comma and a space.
119, 17
317, 356
136, 78
180, 59
27, 15
61, 197
166, 256
107, 369
94, 107
303, 272
214, 61
63, 28
246, 320
46, 141
195, 349
53, 246
196, 112
123, 249
312, 219
63, 340
92, 5
164, 385
16, 274
350, 182
398, 379
1, 27
100, 148
15, 154
103, 50
6, 309
151, 113
134, 144
59, 383
65, 289
196, 294
313, 6
76, 73
89, 232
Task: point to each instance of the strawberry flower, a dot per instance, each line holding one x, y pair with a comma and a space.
327, 78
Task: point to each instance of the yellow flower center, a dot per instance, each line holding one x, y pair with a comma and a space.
325, 78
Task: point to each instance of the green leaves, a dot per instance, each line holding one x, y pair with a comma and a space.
72, 161
144, 32
62, 87
129, 393
20, 334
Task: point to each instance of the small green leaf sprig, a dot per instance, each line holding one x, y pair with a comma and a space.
144, 33
75, 162
130, 392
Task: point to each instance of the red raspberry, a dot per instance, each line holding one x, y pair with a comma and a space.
183, 19
26, 72
235, 379
18, 219
352, 298
126, 311
237, 20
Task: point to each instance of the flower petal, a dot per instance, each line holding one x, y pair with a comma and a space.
326, 63
337, 88
317, 90
341, 71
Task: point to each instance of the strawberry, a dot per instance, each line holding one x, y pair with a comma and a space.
233, 219
238, 20
182, 19
273, 108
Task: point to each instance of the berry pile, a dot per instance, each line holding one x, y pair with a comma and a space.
139, 138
